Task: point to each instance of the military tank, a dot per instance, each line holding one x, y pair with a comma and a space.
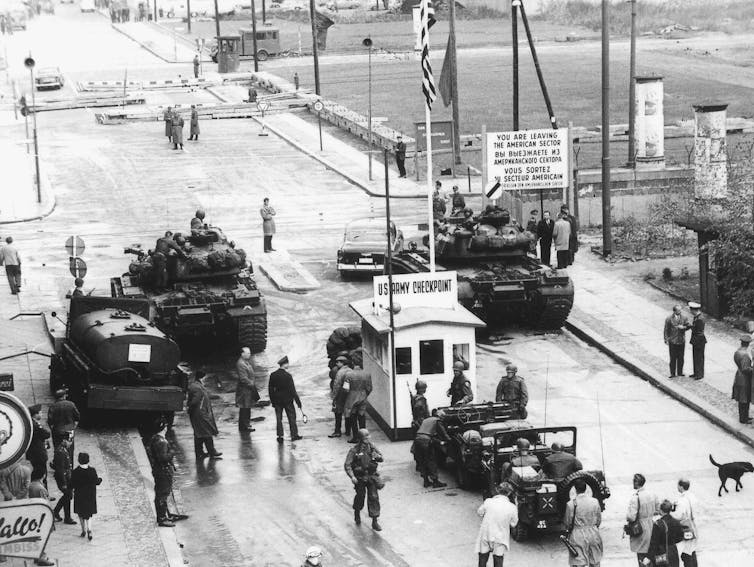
499, 278
210, 290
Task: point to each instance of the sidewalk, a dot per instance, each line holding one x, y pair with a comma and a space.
171, 48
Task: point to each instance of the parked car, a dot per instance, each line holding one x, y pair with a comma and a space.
17, 19
86, 5
48, 6
365, 246
49, 78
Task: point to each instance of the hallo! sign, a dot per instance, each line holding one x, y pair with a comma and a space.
439, 289
25, 527
528, 159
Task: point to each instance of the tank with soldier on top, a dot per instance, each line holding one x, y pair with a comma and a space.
499, 276
198, 285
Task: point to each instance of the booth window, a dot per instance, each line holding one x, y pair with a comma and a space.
461, 354
403, 360
431, 357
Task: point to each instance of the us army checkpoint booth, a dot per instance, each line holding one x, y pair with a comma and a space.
431, 330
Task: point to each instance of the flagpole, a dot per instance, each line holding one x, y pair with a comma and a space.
430, 211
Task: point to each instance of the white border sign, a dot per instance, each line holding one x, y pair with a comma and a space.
529, 159
438, 289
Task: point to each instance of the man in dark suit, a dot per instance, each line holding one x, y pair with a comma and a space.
573, 242
400, 156
674, 334
544, 232
282, 396
698, 340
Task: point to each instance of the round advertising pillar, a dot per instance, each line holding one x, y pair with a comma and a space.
649, 123
710, 151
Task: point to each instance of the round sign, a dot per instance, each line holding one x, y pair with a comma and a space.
75, 246
29, 63
77, 266
263, 105
318, 106
15, 429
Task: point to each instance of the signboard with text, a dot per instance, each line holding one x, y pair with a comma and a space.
438, 289
25, 527
528, 159
442, 136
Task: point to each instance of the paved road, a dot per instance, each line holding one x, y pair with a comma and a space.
264, 504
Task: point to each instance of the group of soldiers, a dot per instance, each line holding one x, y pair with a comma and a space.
174, 126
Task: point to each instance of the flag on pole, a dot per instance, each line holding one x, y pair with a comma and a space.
428, 81
446, 73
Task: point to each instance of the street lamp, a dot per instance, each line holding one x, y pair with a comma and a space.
29, 64
367, 42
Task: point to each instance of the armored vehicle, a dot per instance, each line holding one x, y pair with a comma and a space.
113, 358
541, 500
499, 278
208, 290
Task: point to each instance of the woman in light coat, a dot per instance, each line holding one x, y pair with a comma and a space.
644, 505
684, 513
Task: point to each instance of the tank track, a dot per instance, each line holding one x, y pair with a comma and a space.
550, 312
252, 332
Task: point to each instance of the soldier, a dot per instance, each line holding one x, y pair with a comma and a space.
252, 93
194, 124
560, 464
177, 124
438, 203
167, 116
358, 384
429, 438
400, 156
419, 405
196, 67
458, 203
163, 248
197, 223
338, 395
512, 389
742, 384
62, 463
62, 418
361, 467
460, 388
246, 390
698, 340
79, 289
521, 458
161, 458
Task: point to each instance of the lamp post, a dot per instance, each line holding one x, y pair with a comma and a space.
367, 42
29, 64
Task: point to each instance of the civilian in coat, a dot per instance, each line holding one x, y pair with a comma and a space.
683, 511
400, 156
202, 418
37, 451
177, 123
84, 482
561, 234
282, 396
246, 390
674, 334
573, 239
642, 506
743, 381
545, 229
63, 468
167, 116
194, 124
498, 515
583, 517
268, 224
666, 533
38, 490
15, 480
338, 395
358, 384
698, 340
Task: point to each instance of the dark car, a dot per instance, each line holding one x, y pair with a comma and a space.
365, 246
49, 78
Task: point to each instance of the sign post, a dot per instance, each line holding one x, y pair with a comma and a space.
263, 105
319, 107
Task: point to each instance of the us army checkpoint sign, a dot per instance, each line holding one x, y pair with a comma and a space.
528, 159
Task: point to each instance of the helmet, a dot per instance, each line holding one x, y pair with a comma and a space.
458, 365
511, 367
78, 282
421, 385
313, 555
200, 213
522, 443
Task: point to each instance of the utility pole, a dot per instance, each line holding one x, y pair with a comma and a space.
254, 35
632, 91
264, 13
314, 47
367, 42
217, 23
514, 30
188, 14
607, 244
454, 82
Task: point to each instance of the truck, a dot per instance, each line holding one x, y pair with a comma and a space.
114, 358
499, 278
211, 292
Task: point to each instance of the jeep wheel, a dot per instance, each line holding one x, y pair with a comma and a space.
520, 532
565, 485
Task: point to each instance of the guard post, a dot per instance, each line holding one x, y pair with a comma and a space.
431, 331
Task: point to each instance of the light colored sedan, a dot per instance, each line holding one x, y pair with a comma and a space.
49, 78
365, 246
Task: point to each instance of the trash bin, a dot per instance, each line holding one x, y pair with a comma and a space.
228, 51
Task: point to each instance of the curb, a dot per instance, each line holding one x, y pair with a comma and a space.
46, 211
167, 536
152, 51
693, 402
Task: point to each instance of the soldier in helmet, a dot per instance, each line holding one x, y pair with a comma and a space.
338, 394
419, 406
460, 388
512, 389
361, 467
79, 289
161, 458
163, 248
197, 223
429, 438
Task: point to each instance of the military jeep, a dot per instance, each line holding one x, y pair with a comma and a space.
541, 500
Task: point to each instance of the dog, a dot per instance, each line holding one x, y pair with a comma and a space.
731, 470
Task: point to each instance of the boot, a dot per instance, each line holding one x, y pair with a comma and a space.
437, 484
357, 517
427, 482
334, 434
165, 523
376, 525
